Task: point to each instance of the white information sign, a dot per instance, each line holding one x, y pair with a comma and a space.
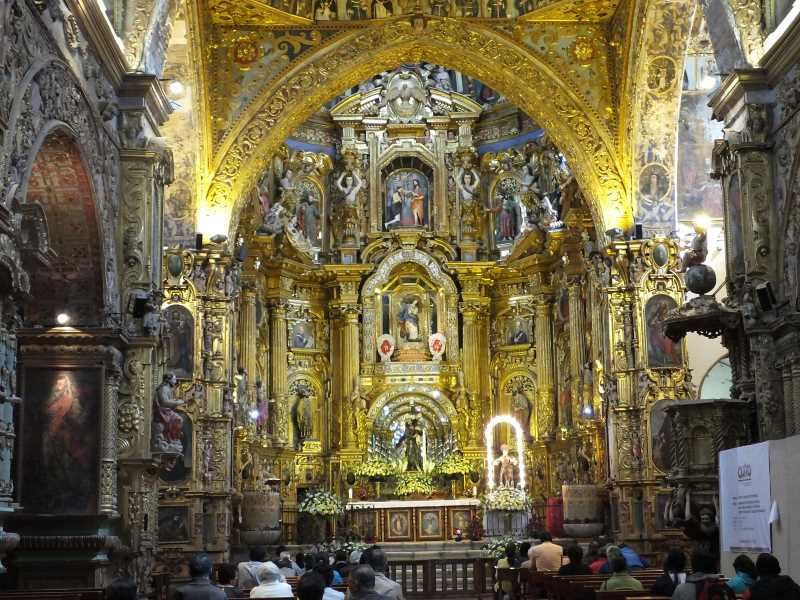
745, 499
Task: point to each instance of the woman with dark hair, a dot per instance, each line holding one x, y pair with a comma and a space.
575, 567
674, 573
326, 572
746, 574
507, 562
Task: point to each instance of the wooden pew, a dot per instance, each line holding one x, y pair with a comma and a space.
54, 594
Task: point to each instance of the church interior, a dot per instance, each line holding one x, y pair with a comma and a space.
431, 276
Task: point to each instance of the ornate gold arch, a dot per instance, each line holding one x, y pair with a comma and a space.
474, 49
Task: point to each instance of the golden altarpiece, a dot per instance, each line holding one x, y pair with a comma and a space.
403, 284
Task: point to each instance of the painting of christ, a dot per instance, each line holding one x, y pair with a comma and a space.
661, 351
407, 199
60, 440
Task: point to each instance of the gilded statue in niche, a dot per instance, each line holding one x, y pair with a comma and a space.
506, 208
408, 319
411, 440
180, 344
167, 422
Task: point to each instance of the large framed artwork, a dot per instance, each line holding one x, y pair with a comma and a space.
398, 525
662, 352
61, 445
430, 524
173, 524
407, 199
180, 344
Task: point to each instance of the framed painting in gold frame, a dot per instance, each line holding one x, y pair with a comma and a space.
459, 519
430, 524
398, 525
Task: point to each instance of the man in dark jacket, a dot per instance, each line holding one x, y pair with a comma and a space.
703, 567
771, 585
362, 584
200, 587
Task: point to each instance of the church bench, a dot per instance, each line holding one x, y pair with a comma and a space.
54, 594
624, 595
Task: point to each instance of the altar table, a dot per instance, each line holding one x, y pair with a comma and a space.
412, 520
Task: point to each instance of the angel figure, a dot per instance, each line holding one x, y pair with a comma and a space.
352, 186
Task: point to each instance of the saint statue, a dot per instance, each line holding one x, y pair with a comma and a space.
359, 404
467, 182
417, 203
408, 319
412, 438
303, 414
522, 407
167, 422
506, 465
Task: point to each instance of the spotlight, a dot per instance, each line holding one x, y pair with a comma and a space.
702, 222
176, 88
587, 411
708, 83
62, 318
253, 413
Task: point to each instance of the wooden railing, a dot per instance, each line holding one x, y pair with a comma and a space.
444, 577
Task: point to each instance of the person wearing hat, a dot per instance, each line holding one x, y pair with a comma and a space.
271, 583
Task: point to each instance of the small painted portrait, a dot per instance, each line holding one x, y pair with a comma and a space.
662, 352
61, 440
656, 206
302, 335
325, 10
430, 523
398, 524
180, 343
518, 332
661, 74
173, 524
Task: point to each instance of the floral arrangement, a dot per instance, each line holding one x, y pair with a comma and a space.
505, 499
347, 545
414, 482
496, 547
374, 467
322, 503
454, 464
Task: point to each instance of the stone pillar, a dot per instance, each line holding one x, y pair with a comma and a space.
108, 446
769, 403
793, 401
278, 370
543, 334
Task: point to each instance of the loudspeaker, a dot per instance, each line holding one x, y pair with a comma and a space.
766, 297
139, 307
638, 231
198, 241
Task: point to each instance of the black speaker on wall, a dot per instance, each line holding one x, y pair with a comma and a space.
766, 297
638, 231
198, 241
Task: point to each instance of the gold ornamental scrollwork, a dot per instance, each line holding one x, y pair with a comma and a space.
476, 50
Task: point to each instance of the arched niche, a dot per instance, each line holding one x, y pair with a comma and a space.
430, 269
525, 79
390, 411
413, 175
491, 451
71, 282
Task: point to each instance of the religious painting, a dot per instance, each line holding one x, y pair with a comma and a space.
398, 524
661, 74
430, 524
302, 335
357, 9
308, 214
656, 209
518, 331
60, 441
173, 524
408, 324
460, 518
182, 469
697, 192
407, 199
180, 343
661, 436
662, 352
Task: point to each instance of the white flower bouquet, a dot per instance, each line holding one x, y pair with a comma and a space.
414, 482
454, 464
505, 499
374, 468
322, 503
496, 547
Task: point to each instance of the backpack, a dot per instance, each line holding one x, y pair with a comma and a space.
713, 589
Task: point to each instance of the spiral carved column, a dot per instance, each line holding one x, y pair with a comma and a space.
279, 375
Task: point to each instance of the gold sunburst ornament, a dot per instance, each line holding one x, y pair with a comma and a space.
583, 50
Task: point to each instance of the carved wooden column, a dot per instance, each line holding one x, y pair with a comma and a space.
577, 342
348, 335
248, 335
278, 370
108, 444
543, 334
769, 400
